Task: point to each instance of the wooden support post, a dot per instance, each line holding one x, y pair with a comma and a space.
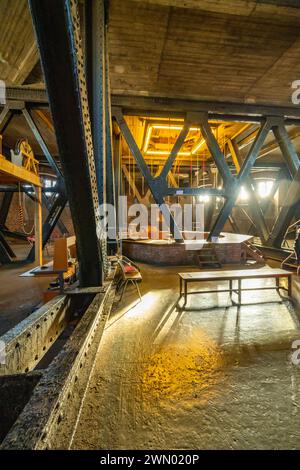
38, 245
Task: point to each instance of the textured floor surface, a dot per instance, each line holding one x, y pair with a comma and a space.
19, 295
205, 378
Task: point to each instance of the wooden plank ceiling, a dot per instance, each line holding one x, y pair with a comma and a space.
222, 50
230, 50
241, 51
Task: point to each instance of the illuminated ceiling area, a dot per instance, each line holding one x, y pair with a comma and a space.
194, 165
156, 137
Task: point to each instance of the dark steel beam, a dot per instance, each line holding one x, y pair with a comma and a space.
235, 185
176, 147
29, 95
254, 150
17, 235
6, 253
48, 203
256, 211
158, 186
215, 150
162, 106
42, 143
287, 148
95, 69
5, 118
288, 211
5, 205
51, 220
139, 105
15, 189
57, 29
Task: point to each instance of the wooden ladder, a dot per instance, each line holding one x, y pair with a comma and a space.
253, 253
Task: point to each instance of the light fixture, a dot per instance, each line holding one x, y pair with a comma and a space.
147, 140
165, 127
165, 152
198, 146
173, 128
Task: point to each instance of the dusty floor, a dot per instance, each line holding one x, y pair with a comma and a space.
18, 295
219, 378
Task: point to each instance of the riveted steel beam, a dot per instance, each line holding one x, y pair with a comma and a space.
235, 184
41, 142
158, 185
287, 148
176, 147
51, 220
288, 211
215, 150
57, 27
255, 208
5, 118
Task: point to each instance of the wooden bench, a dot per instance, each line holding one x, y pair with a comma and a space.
231, 276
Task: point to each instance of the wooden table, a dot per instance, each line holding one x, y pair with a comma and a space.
233, 275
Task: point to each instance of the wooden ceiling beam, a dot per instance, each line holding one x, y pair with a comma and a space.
232, 7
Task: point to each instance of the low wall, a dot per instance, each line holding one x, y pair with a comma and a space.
29, 341
228, 250
49, 418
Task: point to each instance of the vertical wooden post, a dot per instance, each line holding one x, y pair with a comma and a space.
38, 245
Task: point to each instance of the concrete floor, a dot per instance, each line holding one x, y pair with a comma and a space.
19, 295
215, 378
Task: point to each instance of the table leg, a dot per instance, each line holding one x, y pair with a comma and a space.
239, 290
230, 287
290, 286
185, 292
61, 282
180, 287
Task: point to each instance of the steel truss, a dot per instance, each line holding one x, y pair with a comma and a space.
57, 27
231, 184
59, 202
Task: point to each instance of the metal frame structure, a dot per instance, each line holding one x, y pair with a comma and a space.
88, 133
58, 34
60, 200
231, 184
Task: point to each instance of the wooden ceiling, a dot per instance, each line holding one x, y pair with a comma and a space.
222, 50
225, 50
217, 50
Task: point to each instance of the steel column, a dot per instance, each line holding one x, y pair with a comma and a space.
95, 67
57, 28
